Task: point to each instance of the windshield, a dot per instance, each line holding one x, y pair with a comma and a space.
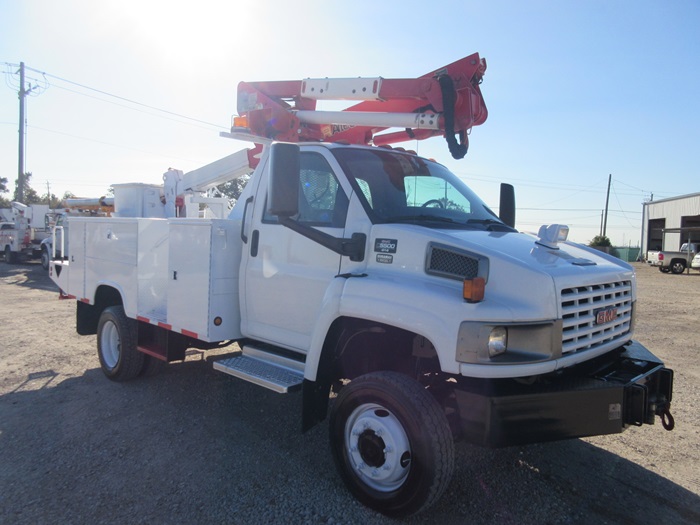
399, 187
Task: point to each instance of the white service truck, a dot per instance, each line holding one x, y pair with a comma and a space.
376, 275
21, 238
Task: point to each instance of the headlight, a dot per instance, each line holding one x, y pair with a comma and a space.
498, 341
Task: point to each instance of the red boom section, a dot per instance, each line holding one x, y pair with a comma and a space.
449, 98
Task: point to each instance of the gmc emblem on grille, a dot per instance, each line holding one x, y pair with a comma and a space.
605, 316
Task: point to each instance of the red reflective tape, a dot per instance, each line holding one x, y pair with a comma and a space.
143, 319
86, 301
165, 325
189, 334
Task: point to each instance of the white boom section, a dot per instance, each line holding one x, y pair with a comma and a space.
341, 88
371, 118
101, 201
190, 184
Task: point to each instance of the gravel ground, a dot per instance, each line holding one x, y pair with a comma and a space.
192, 445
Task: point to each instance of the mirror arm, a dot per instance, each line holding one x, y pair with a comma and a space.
353, 247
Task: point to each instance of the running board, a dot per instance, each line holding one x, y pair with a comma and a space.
271, 371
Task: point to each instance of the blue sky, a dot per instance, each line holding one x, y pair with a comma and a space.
575, 90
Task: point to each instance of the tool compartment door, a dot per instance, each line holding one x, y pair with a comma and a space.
203, 279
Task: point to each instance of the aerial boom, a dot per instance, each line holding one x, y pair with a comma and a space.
446, 101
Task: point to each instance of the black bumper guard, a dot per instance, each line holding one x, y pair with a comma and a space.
627, 387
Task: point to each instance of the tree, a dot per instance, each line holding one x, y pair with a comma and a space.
600, 240
603, 244
30, 194
233, 188
4, 202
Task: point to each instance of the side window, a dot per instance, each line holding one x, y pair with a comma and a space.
364, 187
322, 202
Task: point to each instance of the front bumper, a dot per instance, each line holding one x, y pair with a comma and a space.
628, 386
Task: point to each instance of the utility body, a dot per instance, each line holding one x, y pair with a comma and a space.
374, 274
55, 245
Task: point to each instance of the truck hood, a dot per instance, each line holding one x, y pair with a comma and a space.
523, 275
525, 250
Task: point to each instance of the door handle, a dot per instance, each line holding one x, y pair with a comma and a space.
244, 237
254, 243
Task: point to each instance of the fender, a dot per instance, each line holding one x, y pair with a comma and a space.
129, 308
348, 297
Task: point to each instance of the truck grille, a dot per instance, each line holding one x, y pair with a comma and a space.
595, 315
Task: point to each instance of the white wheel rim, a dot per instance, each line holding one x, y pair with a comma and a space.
377, 447
110, 344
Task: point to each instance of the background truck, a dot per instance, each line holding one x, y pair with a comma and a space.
55, 245
373, 281
674, 262
22, 237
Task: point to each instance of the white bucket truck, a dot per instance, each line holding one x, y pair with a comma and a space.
378, 275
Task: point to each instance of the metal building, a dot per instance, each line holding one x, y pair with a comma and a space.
668, 223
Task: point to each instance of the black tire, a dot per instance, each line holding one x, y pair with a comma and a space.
45, 259
116, 345
677, 267
391, 443
10, 256
151, 366
664, 269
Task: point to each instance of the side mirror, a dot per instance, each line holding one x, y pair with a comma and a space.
506, 209
283, 197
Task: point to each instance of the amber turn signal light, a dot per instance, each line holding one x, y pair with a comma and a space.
240, 122
474, 289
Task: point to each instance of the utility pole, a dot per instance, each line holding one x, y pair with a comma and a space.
607, 199
20, 171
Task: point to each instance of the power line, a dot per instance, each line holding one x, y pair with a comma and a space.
131, 101
135, 109
109, 144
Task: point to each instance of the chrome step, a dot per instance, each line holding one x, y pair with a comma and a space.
264, 369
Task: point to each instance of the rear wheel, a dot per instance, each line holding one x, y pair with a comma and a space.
678, 266
151, 366
10, 256
391, 443
116, 345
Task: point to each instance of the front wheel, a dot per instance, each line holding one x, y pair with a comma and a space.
116, 345
45, 259
391, 443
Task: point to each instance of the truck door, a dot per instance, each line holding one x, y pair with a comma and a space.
286, 274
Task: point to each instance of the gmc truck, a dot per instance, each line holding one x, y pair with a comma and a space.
373, 282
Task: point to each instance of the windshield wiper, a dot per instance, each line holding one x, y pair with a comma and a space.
419, 218
490, 223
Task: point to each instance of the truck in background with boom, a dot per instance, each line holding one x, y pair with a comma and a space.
21, 238
374, 274
55, 245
